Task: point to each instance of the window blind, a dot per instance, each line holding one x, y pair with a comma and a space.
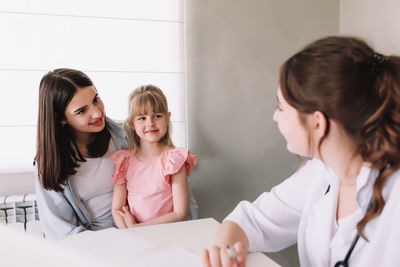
119, 44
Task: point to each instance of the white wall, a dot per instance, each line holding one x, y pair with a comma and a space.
376, 21
120, 44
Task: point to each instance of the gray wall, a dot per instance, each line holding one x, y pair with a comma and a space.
375, 21
234, 51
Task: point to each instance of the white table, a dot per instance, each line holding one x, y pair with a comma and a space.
119, 248
193, 236
173, 244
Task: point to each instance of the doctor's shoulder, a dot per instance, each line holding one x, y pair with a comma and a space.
313, 171
310, 177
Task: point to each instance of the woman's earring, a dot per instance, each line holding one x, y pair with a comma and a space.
63, 123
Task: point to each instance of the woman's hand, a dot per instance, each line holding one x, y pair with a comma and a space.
218, 256
127, 216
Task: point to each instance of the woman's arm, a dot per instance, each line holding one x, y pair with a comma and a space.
271, 222
180, 195
229, 233
57, 217
119, 205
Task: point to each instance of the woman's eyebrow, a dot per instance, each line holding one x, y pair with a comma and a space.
79, 109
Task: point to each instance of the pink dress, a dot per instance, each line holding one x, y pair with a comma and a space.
149, 183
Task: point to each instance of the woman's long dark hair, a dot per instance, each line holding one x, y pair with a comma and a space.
348, 82
57, 156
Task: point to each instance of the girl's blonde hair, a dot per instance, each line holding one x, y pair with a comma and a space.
138, 100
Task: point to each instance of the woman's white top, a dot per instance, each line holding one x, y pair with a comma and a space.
94, 187
299, 210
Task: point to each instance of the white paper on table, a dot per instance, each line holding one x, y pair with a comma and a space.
109, 244
20, 249
176, 257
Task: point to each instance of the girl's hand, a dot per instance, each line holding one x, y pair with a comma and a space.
118, 219
218, 256
127, 216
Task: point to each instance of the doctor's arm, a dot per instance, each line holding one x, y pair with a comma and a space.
268, 224
229, 234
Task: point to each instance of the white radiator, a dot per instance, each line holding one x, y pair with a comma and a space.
21, 212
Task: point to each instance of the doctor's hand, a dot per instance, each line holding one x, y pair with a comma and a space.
218, 256
127, 217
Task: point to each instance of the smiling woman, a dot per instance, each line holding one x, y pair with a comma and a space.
75, 139
338, 105
85, 115
286, 117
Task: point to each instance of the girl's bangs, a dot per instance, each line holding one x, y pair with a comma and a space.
141, 102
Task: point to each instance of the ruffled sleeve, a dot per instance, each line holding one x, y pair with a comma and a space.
121, 159
173, 161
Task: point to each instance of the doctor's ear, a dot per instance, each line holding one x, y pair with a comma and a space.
319, 124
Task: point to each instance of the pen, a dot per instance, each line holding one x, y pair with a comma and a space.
231, 253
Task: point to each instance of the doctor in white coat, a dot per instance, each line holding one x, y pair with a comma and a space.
339, 106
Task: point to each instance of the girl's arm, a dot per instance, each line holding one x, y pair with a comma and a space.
180, 195
118, 202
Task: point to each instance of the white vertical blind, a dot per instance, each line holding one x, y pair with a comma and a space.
120, 44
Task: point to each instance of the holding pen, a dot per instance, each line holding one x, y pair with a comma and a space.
231, 253
230, 247
226, 256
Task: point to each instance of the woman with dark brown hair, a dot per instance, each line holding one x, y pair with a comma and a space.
339, 106
74, 142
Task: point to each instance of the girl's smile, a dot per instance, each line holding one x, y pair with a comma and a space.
150, 126
152, 131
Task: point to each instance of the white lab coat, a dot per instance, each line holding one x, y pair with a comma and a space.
298, 210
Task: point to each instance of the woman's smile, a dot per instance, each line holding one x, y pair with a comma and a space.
97, 122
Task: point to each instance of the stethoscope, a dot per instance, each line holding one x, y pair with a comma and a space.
345, 262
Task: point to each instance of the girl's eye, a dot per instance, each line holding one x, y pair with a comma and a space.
141, 118
81, 111
96, 99
278, 108
157, 116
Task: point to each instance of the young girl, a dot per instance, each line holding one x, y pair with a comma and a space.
151, 173
75, 141
338, 104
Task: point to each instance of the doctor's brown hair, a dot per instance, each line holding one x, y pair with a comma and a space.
57, 156
344, 79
